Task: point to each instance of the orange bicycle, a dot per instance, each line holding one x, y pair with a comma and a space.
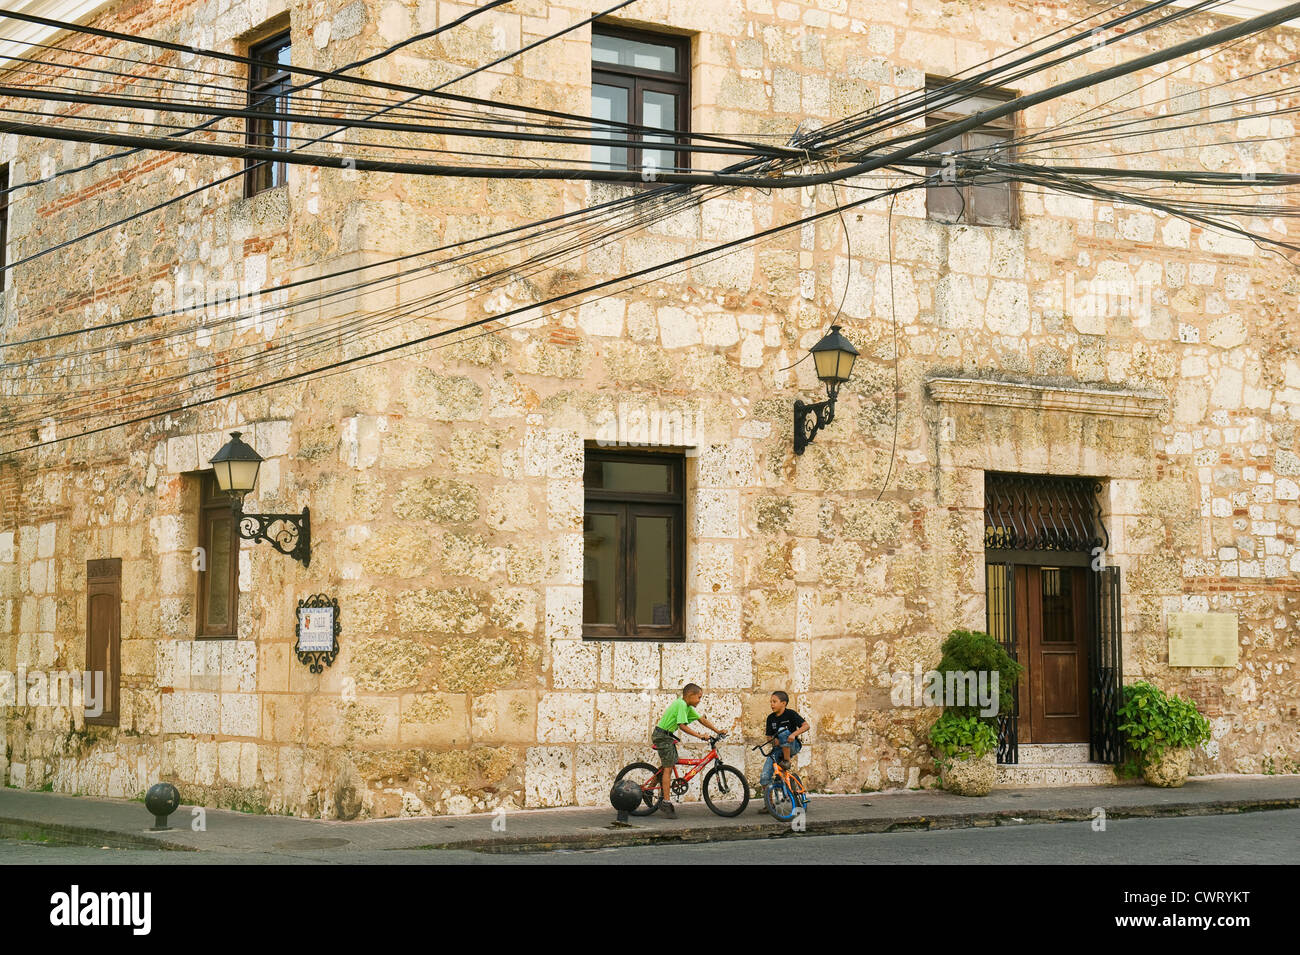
725, 789
786, 794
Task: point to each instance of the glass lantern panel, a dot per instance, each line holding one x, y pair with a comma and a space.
243, 475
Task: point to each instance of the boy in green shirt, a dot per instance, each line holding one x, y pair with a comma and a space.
680, 712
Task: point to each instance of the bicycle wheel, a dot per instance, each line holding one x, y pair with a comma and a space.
780, 801
643, 774
726, 791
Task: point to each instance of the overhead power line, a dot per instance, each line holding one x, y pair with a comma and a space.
349, 164
918, 142
489, 5
686, 259
311, 119
371, 84
1155, 189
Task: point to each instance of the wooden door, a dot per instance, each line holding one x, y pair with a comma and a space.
1053, 617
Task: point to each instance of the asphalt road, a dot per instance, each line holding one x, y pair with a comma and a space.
1249, 839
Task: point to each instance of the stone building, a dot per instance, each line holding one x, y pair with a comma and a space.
506, 640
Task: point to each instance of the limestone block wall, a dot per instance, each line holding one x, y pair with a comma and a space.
445, 485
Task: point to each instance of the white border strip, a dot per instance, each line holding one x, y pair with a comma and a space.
70, 11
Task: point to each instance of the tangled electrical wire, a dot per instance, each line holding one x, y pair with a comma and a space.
182, 357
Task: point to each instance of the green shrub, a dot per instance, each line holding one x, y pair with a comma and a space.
955, 736
966, 650
1153, 721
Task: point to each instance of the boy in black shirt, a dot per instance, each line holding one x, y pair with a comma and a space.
784, 727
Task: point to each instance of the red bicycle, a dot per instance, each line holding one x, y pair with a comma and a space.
725, 789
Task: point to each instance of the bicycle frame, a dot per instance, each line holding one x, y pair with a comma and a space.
792, 781
697, 766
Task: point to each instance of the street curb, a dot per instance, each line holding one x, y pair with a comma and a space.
636, 836
65, 835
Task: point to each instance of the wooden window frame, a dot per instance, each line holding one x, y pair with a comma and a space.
104, 578
628, 505
4, 226
635, 81
212, 500
259, 177
1007, 127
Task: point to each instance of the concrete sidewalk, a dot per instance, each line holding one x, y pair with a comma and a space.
122, 824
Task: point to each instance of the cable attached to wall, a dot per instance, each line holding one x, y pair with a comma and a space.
893, 314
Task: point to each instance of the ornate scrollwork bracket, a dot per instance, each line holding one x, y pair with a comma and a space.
809, 419
290, 534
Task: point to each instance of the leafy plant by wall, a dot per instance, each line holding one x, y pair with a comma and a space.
1153, 721
953, 734
974, 650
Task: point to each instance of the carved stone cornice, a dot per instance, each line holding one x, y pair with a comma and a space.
1008, 394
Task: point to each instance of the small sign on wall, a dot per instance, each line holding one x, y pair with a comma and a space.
1203, 640
318, 631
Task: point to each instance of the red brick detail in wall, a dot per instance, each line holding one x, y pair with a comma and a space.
125, 284
18, 473
104, 185
260, 244
1207, 694
9, 483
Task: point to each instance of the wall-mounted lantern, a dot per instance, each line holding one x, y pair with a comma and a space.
236, 466
833, 357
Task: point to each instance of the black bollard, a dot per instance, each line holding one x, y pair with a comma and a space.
161, 800
625, 796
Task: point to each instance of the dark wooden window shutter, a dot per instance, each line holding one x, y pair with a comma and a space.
4, 224
218, 593
969, 198
104, 633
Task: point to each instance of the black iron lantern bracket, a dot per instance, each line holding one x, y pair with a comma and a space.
290, 534
834, 356
809, 419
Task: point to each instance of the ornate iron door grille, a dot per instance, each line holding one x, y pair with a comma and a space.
1000, 585
1105, 667
1040, 512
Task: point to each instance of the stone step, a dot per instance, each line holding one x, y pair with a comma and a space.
1017, 776
1058, 754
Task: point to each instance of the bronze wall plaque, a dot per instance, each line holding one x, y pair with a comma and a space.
1203, 640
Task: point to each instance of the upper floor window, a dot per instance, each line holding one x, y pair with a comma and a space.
967, 197
268, 92
4, 226
634, 563
642, 79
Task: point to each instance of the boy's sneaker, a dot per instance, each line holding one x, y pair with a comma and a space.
785, 763
667, 809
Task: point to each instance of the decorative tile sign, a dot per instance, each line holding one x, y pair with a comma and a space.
318, 631
1203, 640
